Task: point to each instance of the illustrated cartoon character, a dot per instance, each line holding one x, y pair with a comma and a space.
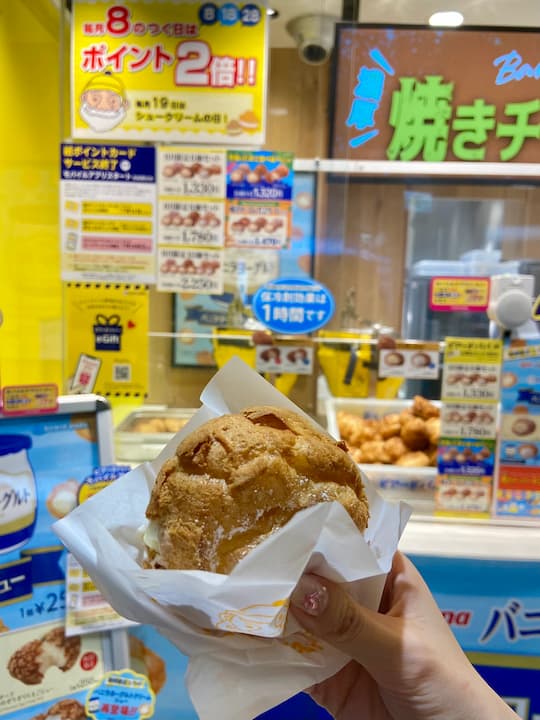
103, 102
255, 619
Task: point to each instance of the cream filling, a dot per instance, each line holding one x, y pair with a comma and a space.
151, 536
51, 656
64, 502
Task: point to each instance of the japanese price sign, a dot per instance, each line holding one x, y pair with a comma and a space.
107, 213
191, 190
259, 195
109, 325
466, 453
410, 360
420, 94
293, 306
284, 358
171, 71
29, 399
448, 294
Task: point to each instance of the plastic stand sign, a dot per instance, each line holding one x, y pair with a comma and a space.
121, 693
293, 306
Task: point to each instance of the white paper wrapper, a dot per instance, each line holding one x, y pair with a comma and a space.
245, 656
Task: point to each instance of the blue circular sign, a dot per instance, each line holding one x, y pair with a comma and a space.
293, 306
229, 14
208, 14
250, 15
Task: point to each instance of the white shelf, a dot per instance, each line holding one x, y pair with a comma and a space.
473, 539
387, 168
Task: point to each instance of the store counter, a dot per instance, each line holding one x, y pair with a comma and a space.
485, 576
493, 540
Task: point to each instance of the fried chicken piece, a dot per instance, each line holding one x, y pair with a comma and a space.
413, 459
423, 409
390, 426
355, 430
433, 428
373, 452
355, 453
394, 447
414, 434
405, 416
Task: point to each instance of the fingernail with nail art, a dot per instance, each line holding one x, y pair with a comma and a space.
310, 595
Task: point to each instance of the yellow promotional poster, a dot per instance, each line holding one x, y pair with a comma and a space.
169, 71
106, 335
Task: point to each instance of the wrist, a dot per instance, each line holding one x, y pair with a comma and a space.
486, 703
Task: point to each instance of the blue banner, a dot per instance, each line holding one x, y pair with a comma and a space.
108, 163
491, 606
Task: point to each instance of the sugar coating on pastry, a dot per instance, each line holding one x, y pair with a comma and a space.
237, 479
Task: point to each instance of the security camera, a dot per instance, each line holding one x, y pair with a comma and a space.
510, 300
314, 36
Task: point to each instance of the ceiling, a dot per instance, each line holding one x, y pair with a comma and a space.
524, 13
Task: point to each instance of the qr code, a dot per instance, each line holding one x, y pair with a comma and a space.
122, 373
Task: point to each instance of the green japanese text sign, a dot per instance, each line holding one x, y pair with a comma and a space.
421, 94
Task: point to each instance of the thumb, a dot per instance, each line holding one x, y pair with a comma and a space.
327, 611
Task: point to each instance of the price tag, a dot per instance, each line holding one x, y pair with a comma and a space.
29, 399
297, 359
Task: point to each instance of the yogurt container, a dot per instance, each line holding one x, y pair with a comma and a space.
18, 501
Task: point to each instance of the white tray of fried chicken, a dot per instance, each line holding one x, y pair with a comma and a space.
393, 441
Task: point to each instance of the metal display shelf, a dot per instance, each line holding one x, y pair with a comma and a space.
472, 539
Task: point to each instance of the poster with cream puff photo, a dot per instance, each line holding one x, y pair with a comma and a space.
191, 173
257, 225
520, 426
262, 175
471, 381
190, 270
184, 222
401, 361
460, 494
41, 664
469, 420
520, 453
